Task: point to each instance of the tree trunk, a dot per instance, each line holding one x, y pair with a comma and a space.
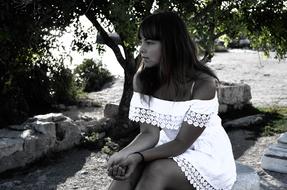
124, 128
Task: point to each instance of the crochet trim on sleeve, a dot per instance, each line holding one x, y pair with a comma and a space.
157, 119
196, 119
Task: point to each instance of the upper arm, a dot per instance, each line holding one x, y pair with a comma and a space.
150, 130
188, 133
204, 89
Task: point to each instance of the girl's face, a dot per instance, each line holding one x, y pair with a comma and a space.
150, 51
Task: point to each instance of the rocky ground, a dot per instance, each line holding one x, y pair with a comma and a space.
84, 169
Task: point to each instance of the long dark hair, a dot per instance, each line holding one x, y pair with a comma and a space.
179, 63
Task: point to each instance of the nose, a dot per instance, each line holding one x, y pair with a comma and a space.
142, 50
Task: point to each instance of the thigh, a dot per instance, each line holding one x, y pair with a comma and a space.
164, 174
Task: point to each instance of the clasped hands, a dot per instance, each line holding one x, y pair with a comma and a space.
121, 166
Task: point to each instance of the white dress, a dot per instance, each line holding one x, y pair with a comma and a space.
208, 163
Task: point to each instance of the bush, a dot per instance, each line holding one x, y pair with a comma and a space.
64, 88
92, 75
32, 88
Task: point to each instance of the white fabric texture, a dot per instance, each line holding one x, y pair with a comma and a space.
209, 162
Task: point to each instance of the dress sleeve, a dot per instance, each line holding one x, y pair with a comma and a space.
199, 113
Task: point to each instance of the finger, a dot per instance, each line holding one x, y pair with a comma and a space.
110, 171
121, 178
121, 171
115, 170
128, 172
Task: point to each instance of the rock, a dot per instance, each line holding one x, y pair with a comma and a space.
36, 146
89, 126
6, 133
17, 127
86, 118
46, 128
36, 137
223, 108
8, 146
67, 135
245, 121
233, 96
111, 110
51, 117
29, 146
275, 156
27, 133
282, 140
247, 178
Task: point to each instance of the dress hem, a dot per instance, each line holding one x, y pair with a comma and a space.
192, 175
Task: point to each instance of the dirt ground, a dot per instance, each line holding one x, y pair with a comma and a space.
267, 77
86, 169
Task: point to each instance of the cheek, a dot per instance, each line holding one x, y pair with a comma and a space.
157, 54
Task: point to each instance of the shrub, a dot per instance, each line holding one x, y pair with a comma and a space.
92, 75
63, 86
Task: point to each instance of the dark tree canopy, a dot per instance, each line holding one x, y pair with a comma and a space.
263, 22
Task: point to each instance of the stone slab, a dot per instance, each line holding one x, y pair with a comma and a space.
283, 139
275, 164
247, 178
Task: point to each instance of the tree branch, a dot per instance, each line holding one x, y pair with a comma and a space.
107, 39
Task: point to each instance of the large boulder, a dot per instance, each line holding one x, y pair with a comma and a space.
67, 135
42, 134
233, 96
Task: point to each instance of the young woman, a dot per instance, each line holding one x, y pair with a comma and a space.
181, 145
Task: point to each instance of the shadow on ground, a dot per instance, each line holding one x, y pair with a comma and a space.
266, 185
242, 140
46, 173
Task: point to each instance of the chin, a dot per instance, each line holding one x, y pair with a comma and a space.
149, 65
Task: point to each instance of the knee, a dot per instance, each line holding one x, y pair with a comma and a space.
152, 177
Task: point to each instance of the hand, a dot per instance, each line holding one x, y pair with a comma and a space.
129, 164
116, 172
116, 158
114, 169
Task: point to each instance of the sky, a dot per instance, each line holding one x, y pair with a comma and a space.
108, 58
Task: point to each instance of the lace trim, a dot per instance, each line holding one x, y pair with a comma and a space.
196, 119
151, 117
193, 176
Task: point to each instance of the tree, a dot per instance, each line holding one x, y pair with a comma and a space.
207, 20
27, 69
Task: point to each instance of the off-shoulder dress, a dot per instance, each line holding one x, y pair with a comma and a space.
208, 163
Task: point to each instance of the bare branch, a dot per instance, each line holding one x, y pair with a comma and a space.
107, 39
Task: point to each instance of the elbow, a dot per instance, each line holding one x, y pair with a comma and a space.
155, 139
151, 137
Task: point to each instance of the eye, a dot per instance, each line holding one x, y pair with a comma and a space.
149, 42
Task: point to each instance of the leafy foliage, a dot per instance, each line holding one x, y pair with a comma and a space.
25, 23
92, 75
31, 80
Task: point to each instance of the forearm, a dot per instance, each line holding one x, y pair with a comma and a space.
143, 141
170, 149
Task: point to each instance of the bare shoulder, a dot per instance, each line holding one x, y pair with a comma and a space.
204, 88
